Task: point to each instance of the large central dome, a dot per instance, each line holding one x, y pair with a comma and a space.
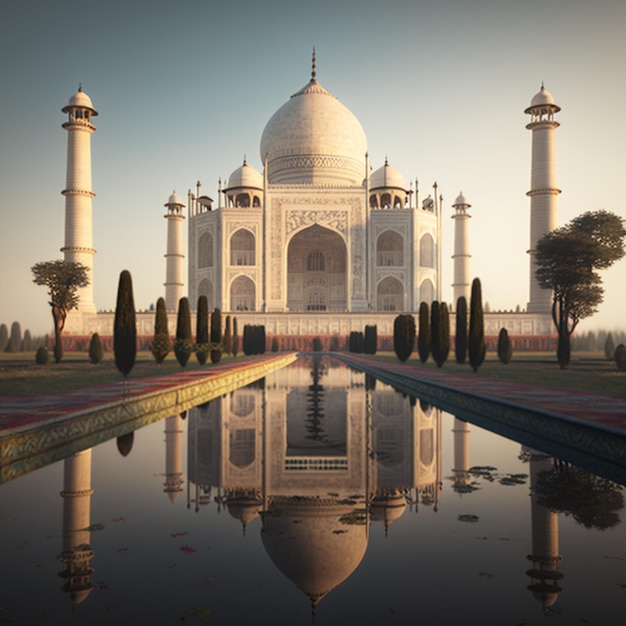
313, 138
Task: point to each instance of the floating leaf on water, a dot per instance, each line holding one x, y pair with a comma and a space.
94, 527
200, 612
468, 517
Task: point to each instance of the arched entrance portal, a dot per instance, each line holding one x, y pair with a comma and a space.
316, 271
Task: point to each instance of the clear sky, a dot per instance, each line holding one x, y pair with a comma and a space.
184, 90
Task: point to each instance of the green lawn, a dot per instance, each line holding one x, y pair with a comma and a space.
19, 375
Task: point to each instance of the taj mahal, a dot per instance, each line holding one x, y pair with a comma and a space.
321, 241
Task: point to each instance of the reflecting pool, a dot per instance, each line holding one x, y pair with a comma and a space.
317, 495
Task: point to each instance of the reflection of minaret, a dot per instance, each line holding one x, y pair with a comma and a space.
461, 256
78, 245
543, 192
174, 257
173, 456
461, 467
545, 539
77, 552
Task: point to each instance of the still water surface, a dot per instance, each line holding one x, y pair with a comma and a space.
314, 496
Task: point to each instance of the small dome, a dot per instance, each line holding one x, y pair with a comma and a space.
387, 177
80, 99
461, 200
174, 199
245, 176
543, 98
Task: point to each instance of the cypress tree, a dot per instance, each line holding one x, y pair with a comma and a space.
27, 341
124, 326
161, 343
216, 336
476, 338
434, 331
4, 337
609, 347
403, 336
183, 344
440, 332
620, 357
235, 347
460, 334
370, 340
423, 337
228, 338
275, 344
95, 349
505, 347
16, 335
202, 330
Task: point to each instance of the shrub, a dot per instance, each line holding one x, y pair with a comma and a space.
317, 344
505, 346
124, 326
460, 333
423, 336
42, 356
403, 336
620, 357
275, 344
95, 349
183, 345
355, 343
161, 343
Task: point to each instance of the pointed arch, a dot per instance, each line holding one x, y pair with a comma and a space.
242, 248
242, 294
390, 295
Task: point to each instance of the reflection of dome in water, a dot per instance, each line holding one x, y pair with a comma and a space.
388, 508
244, 508
314, 542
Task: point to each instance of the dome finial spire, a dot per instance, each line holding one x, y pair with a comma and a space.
313, 66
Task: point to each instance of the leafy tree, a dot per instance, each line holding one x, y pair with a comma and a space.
423, 335
202, 330
476, 338
568, 260
216, 336
63, 279
95, 349
125, 325
505, 346
560, 490
183, 345
403, 336
460, 334
161, 343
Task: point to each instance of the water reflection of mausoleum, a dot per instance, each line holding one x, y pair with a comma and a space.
318, 455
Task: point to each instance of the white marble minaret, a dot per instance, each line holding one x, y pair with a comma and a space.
461, 256
174, 257
78, 194
543, 191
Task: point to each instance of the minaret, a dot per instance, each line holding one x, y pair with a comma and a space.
78, 194
543, 191
462, 477
174, 257
77, 552
173, 484
544, 575
461, 256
